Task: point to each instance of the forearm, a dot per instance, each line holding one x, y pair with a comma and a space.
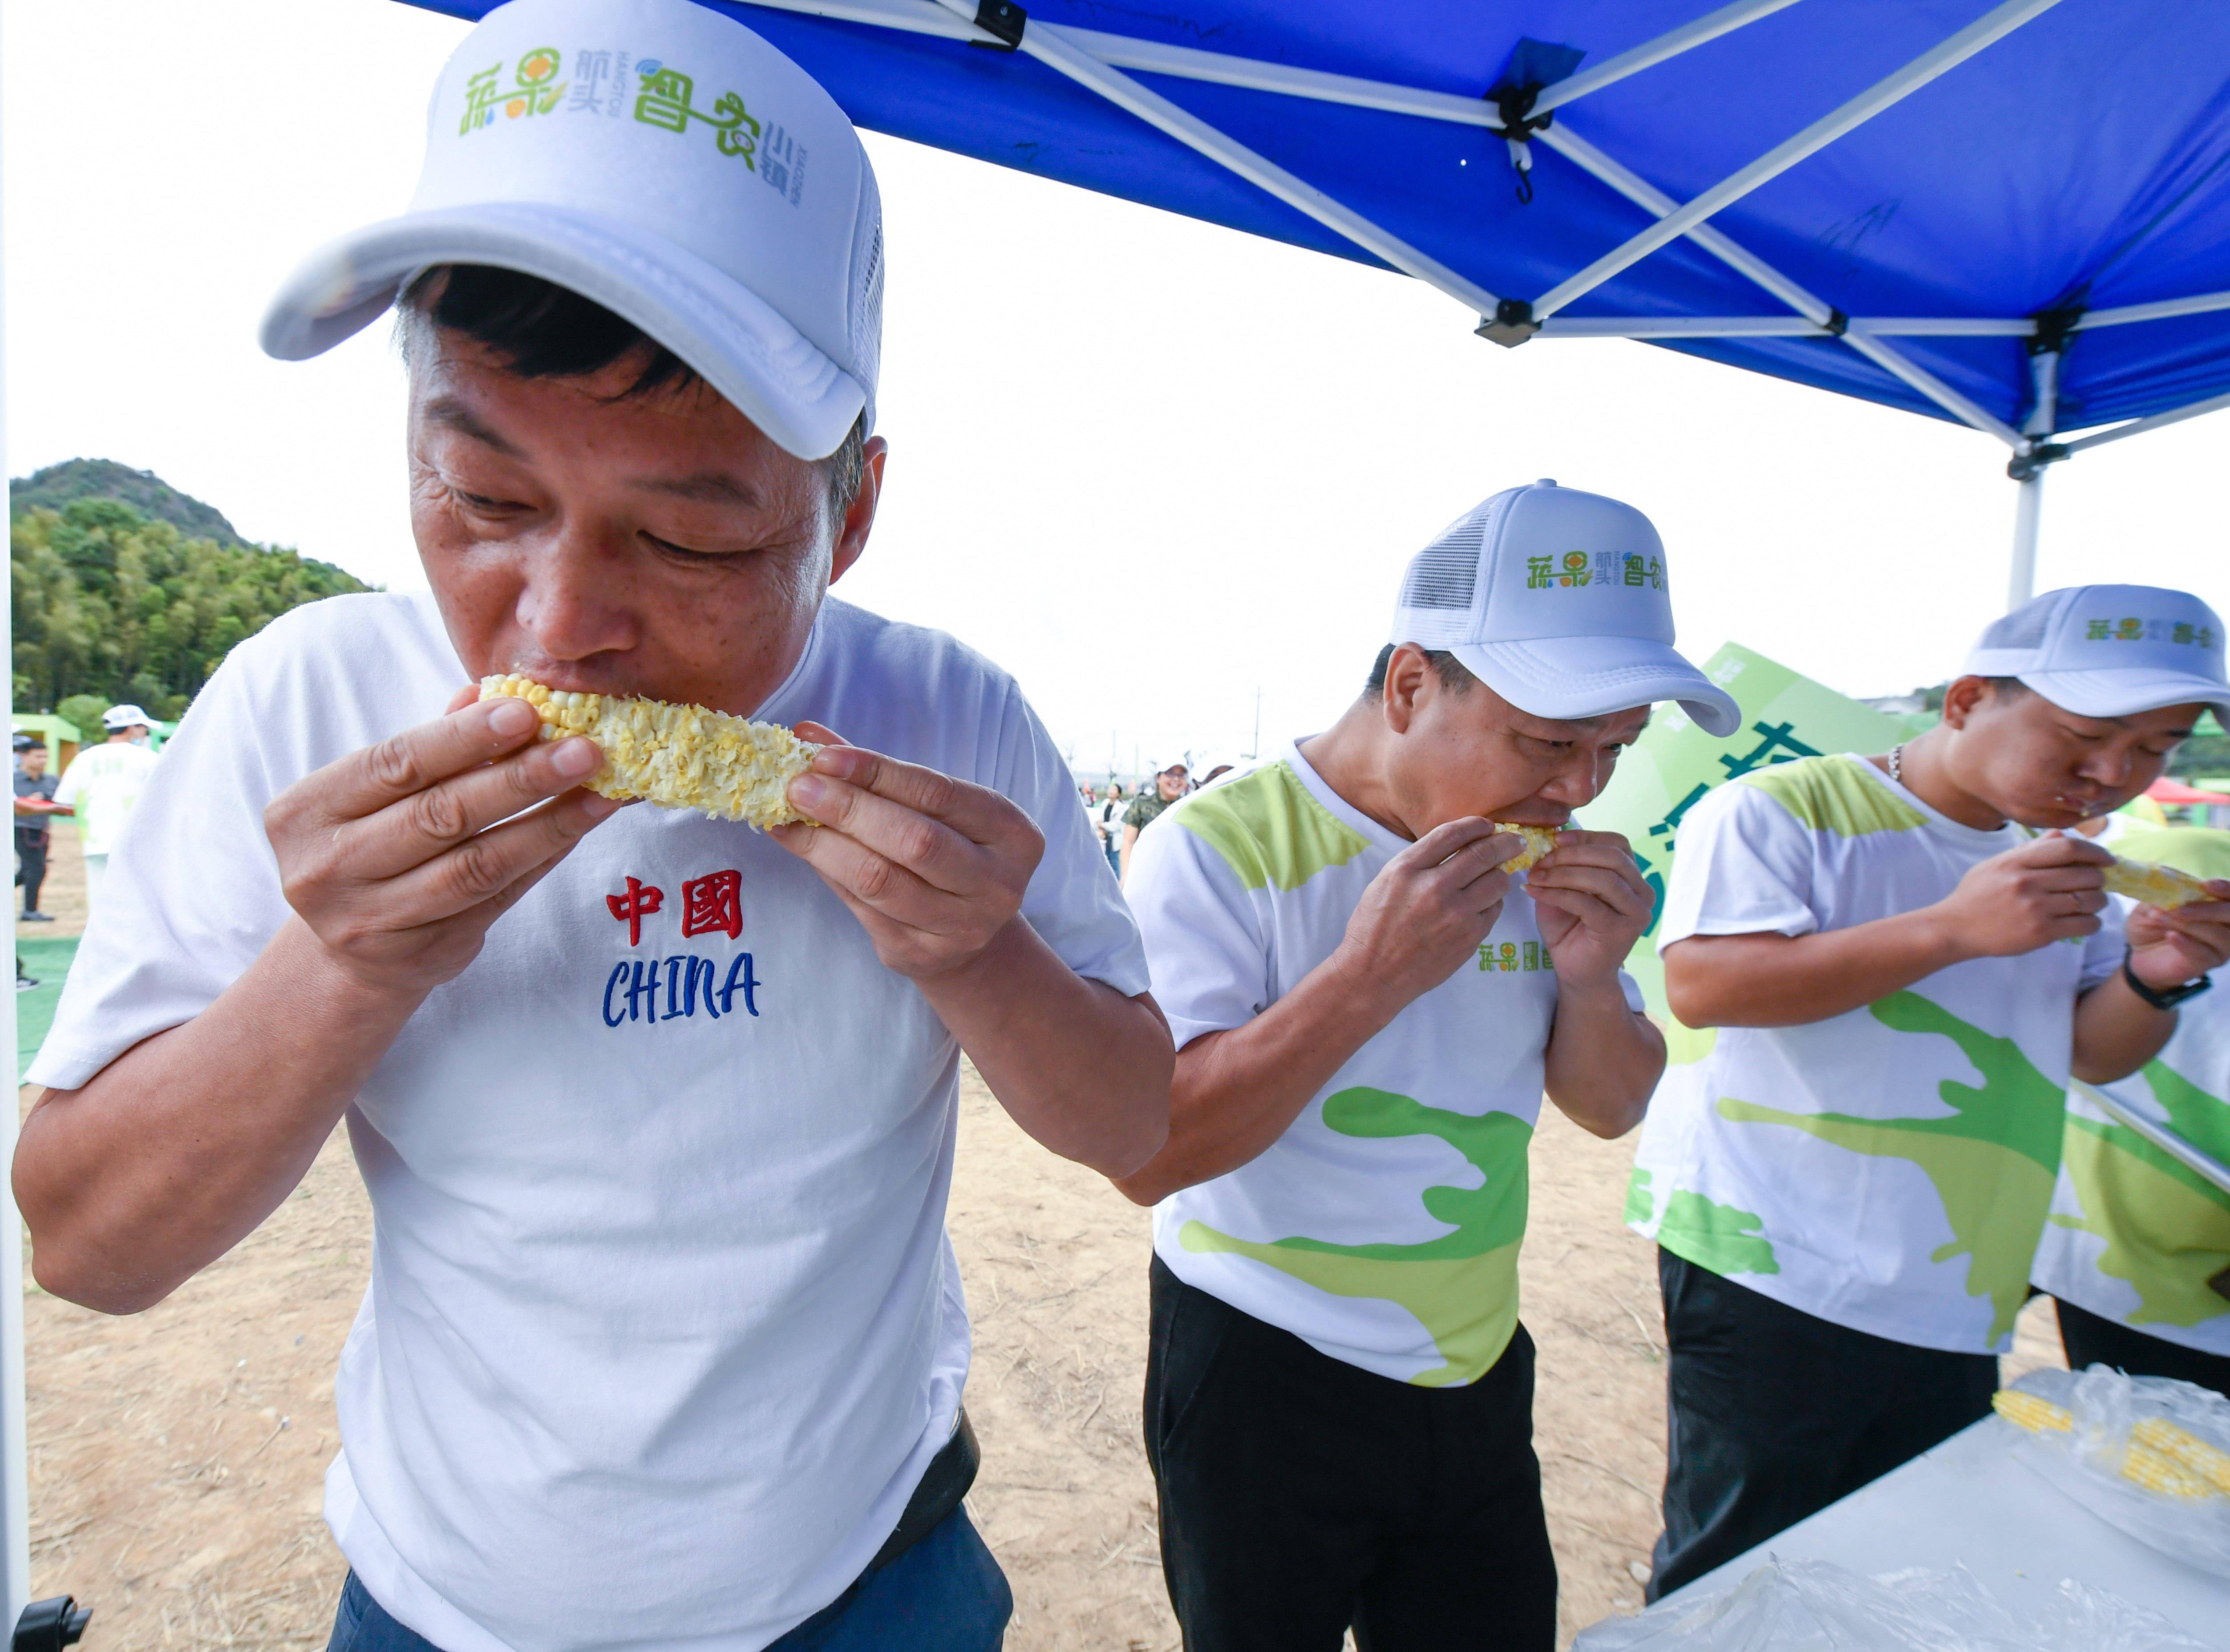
1773, 980
1084, 1069
2116, 1032
178, 1149
1237, 1091
1604, 1060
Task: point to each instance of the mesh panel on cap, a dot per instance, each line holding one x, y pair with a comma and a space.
1445, 574
2022, 629
864, 323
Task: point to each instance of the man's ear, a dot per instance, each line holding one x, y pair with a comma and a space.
860, 520
1405, 687
1961, 699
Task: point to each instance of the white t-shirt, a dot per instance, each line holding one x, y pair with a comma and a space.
1382, 1227
1887, 1169
2135, 1235
663, 1325
103, 783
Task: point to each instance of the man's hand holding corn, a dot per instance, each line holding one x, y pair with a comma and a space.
1590, 905
398, 857
933, 867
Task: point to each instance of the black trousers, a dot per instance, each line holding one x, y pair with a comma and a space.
2090, 1341
33, 871
1300, 1494
1773, 1414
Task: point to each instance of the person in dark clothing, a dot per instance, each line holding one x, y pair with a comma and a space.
35, 801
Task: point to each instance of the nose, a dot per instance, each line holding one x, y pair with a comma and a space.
574, 595
1575, 783
2109, 766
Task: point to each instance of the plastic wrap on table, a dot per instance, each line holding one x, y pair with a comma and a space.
2149, 1455
1818, 1606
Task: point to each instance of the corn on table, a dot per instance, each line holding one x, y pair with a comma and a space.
1970, 1502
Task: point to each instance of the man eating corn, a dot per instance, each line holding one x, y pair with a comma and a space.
1848, 1187
1368, 1003
663, 1343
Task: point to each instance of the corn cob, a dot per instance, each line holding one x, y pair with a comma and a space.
2185, 1449
2027, 1411
2157, 886
1538, 840
2163, 1474
677, 757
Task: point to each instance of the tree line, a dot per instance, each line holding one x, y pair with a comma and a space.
112, 605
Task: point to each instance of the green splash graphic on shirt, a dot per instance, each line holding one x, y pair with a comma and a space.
1640, 1202
1463, 1286
1716, 1237
2167, 1227
1993, 1162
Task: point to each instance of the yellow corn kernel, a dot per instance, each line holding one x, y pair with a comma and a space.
2185, 1449
2158, 1474
2027, 1411
677, 757
2157, 886
1539, 840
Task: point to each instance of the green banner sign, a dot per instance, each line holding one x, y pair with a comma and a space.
1674, 764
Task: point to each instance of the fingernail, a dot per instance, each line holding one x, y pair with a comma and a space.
511, 718
574, 759
809, 790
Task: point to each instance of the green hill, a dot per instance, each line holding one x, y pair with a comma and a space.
142, 490
125, 589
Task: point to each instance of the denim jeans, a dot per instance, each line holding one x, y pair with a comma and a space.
945, 1594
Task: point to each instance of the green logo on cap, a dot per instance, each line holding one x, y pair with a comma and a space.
668, 100
1606, 568
535, 89
2149, 630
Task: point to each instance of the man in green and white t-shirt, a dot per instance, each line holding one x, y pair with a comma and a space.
2138, 1249
1847, 1187
103, 783
1339, 1392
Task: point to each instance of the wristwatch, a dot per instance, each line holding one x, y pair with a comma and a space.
2159, 998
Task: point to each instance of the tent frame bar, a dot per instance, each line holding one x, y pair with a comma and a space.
1095, 60
1649, 53
1986, 30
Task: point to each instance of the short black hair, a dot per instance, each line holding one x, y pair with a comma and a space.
1451, 671
542, 330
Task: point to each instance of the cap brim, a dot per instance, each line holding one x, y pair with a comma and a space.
1567, 677
2126, 692
769, 370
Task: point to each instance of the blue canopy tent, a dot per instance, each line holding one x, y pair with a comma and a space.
2015, 217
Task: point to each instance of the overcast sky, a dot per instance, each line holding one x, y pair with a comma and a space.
1149, 465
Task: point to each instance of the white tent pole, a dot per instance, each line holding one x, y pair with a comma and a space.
1705, 29
2029, 469
2020, 583
1051, 47
1646, 196
1778, 327
15, 1454
2198, 304
1991, 26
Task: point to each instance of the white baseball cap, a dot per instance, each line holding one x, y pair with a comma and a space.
118, 717
659, 159
2111, 650
1557, 600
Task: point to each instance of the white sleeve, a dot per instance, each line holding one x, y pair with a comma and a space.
1204, 938
2101, 953
1741, 865
191, 895
70, 787
1072, 901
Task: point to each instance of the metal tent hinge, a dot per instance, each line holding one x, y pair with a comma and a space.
1515, 104
1002, 19
2028, 464
1511, 325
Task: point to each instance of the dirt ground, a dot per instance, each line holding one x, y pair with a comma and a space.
177, 1457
